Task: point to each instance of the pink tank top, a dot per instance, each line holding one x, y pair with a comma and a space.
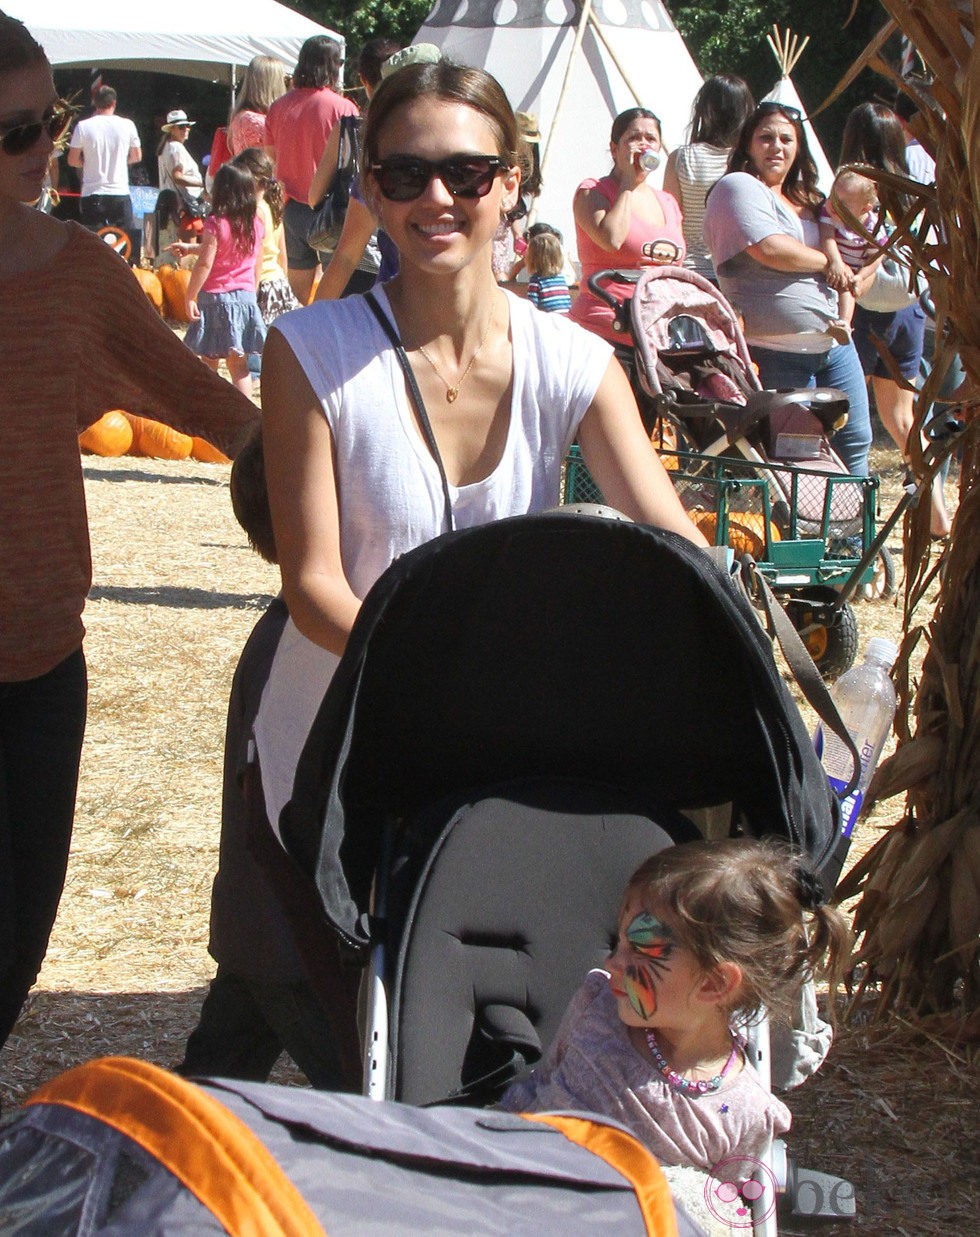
587, 309
232, 271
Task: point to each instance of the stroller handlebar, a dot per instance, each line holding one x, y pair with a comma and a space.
597, 286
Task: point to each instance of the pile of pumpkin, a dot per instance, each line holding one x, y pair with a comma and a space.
121, 433
166, 288
746, 531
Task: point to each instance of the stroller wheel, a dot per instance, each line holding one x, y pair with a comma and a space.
780, 514
831, 637
885, 581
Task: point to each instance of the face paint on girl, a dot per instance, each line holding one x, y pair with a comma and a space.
651, 944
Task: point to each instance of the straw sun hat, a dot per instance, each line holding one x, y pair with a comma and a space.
176, 119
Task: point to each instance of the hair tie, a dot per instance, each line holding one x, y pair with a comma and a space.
809, 889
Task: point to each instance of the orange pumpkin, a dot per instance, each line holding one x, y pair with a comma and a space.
111, 435
158, 441
204, 451
149, 281
746, 530
174, 283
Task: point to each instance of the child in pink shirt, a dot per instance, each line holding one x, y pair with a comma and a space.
709, 933
225, 321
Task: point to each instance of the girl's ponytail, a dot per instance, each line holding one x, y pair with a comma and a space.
829, 946
276, 200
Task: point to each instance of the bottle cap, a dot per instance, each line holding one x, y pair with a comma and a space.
881, 651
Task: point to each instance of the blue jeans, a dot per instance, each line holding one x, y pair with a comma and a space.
42, 722
838, 368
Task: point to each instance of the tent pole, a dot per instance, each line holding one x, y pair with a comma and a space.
579, 35
600, 35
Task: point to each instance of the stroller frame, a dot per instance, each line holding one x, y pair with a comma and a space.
813, 523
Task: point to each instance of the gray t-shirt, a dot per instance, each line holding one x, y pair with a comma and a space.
593, 1067
781, 309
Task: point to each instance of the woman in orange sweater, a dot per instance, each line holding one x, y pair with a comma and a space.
79, 338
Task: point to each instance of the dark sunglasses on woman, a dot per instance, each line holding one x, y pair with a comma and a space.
403, 178
772, 108
21, 138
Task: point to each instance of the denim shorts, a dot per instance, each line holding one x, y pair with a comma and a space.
902, 333
296, 220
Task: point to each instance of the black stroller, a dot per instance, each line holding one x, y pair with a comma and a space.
521, 714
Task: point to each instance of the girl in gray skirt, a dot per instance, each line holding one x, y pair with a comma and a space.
221, 303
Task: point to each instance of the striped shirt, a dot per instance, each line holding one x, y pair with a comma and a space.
550, 293
698, 166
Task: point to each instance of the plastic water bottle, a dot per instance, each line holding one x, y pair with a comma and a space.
649, 161
865, 699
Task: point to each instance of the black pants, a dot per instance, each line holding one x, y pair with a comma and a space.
42, 722
246, 1024
106, 210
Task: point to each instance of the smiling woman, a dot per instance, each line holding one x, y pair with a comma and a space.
79, 338
360, 468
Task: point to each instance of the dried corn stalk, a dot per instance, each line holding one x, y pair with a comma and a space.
918, 917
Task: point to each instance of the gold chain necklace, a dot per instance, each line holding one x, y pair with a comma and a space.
452, 392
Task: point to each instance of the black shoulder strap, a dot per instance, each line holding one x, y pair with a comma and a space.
416, 397
802, 666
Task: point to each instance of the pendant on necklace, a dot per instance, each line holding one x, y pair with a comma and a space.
451, 394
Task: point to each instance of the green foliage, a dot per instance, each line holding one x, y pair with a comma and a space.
731, 38
367, 19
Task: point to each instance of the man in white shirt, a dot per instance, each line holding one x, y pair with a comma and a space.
104, 147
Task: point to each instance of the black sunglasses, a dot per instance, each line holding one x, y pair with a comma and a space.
774, 109
403, 178
21, 138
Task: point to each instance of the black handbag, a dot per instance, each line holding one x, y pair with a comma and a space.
329, 214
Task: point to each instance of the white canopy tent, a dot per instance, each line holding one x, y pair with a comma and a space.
210, 40
575, 65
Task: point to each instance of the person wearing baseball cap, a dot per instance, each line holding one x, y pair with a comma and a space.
175, 163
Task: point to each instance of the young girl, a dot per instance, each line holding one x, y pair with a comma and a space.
221, 303
709, 933
544, 260
274, 295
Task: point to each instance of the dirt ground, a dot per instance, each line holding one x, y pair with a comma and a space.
176, 591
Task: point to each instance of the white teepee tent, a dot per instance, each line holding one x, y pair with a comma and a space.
787, 51
574, 64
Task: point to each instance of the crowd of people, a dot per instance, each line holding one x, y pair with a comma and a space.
356, 466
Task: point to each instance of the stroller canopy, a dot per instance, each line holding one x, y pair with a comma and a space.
548, 646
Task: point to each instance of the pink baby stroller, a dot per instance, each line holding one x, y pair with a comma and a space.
755, 469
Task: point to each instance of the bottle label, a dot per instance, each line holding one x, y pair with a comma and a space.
850, 808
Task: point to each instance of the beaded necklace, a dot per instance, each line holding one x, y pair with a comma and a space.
702, 1086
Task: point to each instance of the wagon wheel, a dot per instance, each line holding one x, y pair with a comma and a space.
833, 646
117, 239
885, 581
